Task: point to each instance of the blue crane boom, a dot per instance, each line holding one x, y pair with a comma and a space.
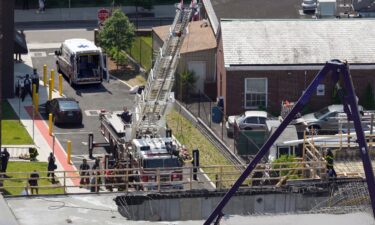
340, 72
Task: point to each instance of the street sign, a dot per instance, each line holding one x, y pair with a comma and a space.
103, 14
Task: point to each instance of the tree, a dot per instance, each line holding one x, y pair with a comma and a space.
187, 81
117, 36
367, 99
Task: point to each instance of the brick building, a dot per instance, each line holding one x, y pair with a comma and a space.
262, 62
198, 54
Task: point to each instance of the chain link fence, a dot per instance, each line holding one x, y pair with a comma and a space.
141, 51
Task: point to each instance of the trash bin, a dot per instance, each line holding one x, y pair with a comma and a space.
217, 114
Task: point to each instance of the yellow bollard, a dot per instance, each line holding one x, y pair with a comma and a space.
50, 90
34, 92
45, 75
50, 127
36, 102
69, 149
60, 84
53, 78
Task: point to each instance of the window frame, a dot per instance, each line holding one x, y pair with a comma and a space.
246, 92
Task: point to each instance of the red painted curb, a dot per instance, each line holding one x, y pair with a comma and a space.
60, 153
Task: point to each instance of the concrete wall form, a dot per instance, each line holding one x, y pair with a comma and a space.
201, 207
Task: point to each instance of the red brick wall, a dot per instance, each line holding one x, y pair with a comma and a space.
221, 78
285, 85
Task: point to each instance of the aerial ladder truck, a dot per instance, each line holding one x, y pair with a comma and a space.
146, 143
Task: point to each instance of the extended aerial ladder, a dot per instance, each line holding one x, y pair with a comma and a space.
153, 102
340, 73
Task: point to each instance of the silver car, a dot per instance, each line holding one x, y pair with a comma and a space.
250, 120
308, 5
325, 119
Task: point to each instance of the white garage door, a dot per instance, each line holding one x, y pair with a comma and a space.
199, 68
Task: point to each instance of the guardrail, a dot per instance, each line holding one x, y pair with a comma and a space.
159, 179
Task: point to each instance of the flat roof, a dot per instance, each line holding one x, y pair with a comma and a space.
296, 42
256, 9
79, 45
199, 38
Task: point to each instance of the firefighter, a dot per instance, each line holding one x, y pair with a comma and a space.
84, 171
126, 116
330, 169
26, 87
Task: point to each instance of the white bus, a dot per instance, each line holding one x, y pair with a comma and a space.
81, 61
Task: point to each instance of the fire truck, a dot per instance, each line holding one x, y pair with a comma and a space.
146, 143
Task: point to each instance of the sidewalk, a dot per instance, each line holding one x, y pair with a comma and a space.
80, 14
43, 141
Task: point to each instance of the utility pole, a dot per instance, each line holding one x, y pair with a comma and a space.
6, 53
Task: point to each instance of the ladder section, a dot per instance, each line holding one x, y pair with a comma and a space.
155, 98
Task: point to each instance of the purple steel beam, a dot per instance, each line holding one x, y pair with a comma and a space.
335, 66
351, 100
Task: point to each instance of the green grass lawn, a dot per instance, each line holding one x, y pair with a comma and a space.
13, 131
27, 167
141, 51
192, 138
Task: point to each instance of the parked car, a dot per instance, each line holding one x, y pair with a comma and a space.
308, 5
250, 120
64, 111
325, 119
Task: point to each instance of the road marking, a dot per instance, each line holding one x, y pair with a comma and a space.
51, 53
92, 112
43, 45
38, 54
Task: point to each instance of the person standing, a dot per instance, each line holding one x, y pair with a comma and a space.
51, 167
125, 115
33, 182
26, 87
35, 80
42, 6
329, 159
84, 173
4, 160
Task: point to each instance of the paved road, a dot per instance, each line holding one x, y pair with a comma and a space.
92, 98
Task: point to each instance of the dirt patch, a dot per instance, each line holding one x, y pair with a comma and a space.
126, 73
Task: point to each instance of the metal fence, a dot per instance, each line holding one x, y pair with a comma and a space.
202, 106
133, 179
141, 51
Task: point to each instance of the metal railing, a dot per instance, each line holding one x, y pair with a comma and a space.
158, 180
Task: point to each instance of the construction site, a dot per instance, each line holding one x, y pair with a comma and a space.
298, 172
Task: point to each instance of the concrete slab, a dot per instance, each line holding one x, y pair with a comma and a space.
101, 209
7, 217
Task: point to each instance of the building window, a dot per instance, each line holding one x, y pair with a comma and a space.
255, 93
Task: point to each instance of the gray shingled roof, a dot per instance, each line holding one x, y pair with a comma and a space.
293, 42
